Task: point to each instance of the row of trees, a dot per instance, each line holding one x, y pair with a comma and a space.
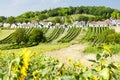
99, 11
20, 36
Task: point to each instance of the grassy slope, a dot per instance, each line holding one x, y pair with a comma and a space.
71, 17
5, 33
115, 49
39, 49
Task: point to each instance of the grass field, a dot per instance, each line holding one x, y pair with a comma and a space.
5, 33
114, 48
38, 49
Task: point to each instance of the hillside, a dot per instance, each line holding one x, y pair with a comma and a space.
99, 13
5, 33
69, 19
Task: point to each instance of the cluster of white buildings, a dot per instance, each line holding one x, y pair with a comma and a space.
105, 23
35, 24
27, 25
108, 22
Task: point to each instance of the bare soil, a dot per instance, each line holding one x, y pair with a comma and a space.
117, 29
76, 52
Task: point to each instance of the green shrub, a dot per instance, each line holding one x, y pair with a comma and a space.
115, 48
36, 36
91, 49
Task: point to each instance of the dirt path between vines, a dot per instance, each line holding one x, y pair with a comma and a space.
76, 53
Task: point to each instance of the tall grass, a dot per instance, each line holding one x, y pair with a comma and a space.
41, 48
97, 49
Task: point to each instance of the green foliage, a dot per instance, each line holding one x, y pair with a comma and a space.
16, 46
71, 34
91, 49
2, 18
100, 13
20, 36
83, 18
41, 17
10, 20
55, 34
10, 38
56, 20
101, 35
109, 36
115, 14
36, 36
33, 66
115, 48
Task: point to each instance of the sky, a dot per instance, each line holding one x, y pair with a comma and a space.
17, 7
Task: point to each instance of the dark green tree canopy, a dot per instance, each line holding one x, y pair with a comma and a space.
100, 13
10, 20
36, 36
2, 18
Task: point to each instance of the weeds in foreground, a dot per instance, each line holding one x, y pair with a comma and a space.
32, 66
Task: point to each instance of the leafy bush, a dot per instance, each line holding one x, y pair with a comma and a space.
36, 36
91, 49
109, 36
115, 48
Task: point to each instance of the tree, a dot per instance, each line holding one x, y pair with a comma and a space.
100, 13
115, 14
56, 20
36, 36
2, 18
91, 18
42, 16
20, 36
83, 18
10, 20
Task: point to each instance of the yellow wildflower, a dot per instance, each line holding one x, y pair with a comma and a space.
98, 68
78, 64
58, 73
25, 63
21, 79
36, 74
23, 71
26, 53
70, 59
95, 78
55, 79
25, 60
81, 64
1, 54
13, 69
107, 48
103, 62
